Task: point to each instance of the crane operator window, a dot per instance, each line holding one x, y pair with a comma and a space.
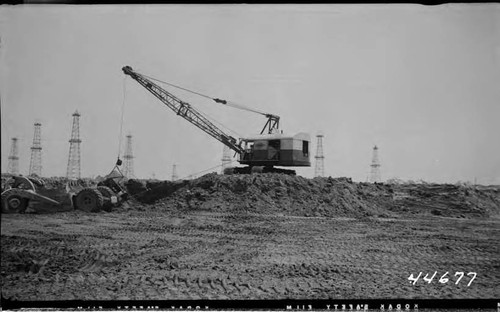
248, 155
305, 148
249, 146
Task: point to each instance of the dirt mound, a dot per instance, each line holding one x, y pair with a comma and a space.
326, 197
149, 192
450, 200
135, 187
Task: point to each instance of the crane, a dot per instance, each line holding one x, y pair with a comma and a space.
261, 153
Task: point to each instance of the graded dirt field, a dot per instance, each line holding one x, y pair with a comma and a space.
153, 252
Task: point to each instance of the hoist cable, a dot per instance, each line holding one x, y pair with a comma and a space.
212, 119
224, 102
179, 87
121, 123
202, 95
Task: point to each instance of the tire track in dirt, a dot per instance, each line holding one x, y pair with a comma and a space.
300, 257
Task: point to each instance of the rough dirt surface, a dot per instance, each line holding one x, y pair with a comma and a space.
261, 237
318, 197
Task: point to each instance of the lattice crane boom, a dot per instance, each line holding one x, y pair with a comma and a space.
185, 110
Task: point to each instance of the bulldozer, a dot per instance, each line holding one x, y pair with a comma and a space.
34, 195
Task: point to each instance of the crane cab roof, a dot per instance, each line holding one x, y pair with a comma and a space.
278, 136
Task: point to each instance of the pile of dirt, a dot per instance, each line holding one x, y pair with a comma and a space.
135, 187
150, 191
325, 197
450, 200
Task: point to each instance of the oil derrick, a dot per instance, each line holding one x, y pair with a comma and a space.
13, 165
128, 169
319, 170
73, 170
174, 173
226, 158
375, 171
36, 152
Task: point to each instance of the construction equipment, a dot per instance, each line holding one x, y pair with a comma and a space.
105, 196
29, 194
260, 153
19, 191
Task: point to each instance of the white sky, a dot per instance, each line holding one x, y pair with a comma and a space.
423, 83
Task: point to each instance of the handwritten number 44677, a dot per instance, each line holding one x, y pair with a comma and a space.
443, 279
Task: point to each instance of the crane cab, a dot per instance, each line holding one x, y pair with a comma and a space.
276, 150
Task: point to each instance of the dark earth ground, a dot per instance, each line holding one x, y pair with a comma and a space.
199, 254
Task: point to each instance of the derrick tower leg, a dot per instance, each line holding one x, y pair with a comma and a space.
375, 167
319, 170
13, 164
36, 152
73, 169
128, 169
